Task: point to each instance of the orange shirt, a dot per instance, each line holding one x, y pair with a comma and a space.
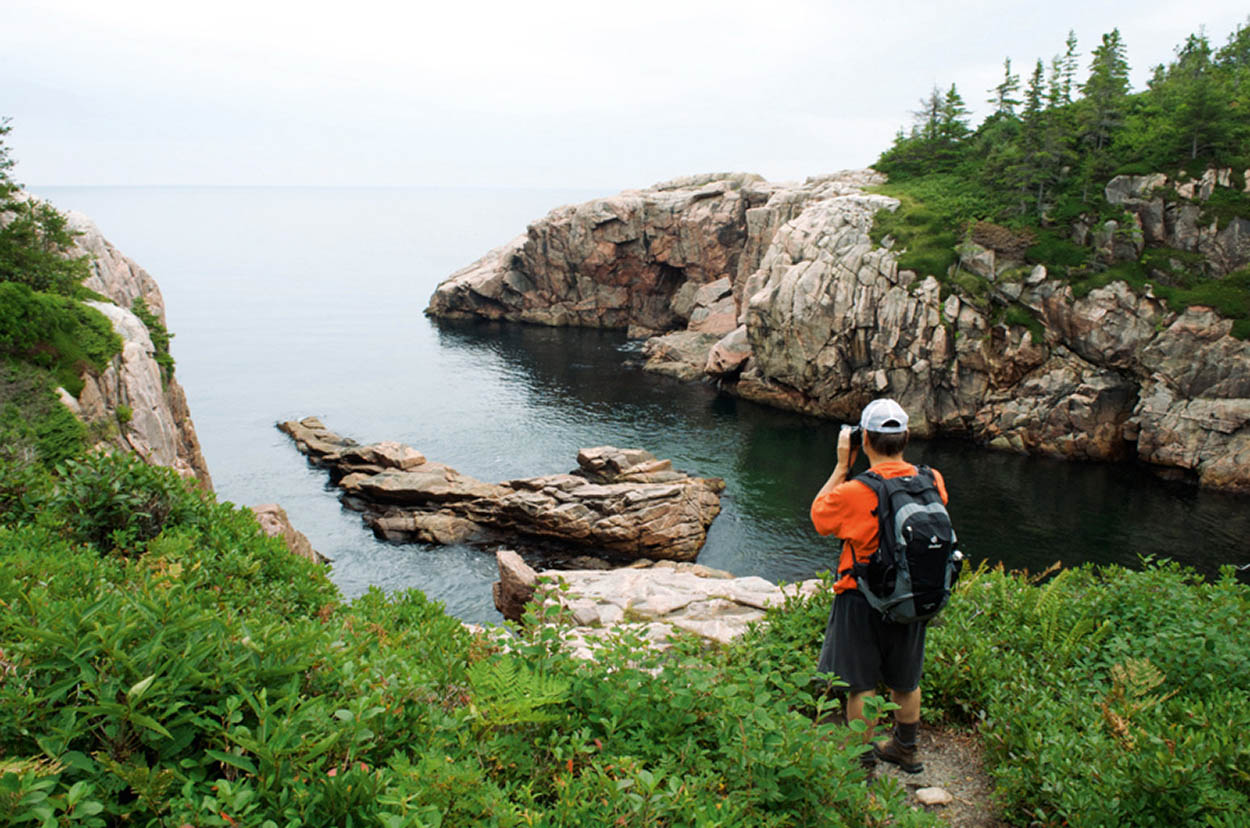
846, 512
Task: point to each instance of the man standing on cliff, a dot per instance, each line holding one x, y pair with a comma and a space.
861, 647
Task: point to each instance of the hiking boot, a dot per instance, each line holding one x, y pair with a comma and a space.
895, 753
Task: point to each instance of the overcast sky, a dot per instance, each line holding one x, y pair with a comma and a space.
546, 93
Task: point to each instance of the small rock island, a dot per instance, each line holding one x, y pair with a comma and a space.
621, 504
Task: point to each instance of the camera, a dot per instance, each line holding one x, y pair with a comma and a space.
857, 435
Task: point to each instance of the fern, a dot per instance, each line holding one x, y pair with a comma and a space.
1131, 683
1047, 608
507, 692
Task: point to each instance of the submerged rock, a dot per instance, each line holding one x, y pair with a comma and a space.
624, 503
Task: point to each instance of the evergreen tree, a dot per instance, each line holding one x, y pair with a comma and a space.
1036, 165
1070, 63
929, 116
953, 117
1034, 95
1199, 102
6, 162
1104, 105
1106, 89
1235, 57
36, 241
1003, 98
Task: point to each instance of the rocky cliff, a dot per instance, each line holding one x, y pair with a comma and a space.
156, 423
777, 292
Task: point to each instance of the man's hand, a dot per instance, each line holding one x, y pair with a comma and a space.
846, 452
846, 458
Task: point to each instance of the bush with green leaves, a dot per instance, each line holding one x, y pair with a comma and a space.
35, 248
1105, 696
36, 243
207, 676
35, 427
193, 671
55, 333
113, 500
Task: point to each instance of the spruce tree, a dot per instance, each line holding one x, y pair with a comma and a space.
1003, 98
953, 117
1070, 64
1103, 107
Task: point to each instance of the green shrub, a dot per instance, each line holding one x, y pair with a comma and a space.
1026, 318
34, 425
160, 338
114, 500
1104, 696
56, 333
210, 677
1057, 252
1224, 205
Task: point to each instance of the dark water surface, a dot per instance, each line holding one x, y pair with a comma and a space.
289, 302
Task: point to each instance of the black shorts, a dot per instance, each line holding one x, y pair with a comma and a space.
864, 650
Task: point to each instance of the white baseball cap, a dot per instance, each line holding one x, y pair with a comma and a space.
883, 416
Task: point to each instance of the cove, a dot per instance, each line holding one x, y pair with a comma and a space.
299, 301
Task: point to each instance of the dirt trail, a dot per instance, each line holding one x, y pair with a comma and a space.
952, 761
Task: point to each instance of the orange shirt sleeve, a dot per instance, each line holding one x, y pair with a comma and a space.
841, 507
941, 485
846, 513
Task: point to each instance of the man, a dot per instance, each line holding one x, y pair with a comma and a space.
861, 647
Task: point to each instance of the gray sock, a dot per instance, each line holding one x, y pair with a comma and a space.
905, 734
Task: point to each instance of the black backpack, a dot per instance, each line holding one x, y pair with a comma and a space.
910, 576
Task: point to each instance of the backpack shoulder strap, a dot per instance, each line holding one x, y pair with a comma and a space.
877, 484
874, 481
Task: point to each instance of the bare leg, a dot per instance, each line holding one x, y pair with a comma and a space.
855, 710
908, 706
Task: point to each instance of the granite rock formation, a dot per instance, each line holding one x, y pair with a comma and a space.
274, 522
159, 428
825, 320
622, 503
653, 599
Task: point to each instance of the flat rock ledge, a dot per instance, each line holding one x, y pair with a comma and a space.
618, 504
653, 599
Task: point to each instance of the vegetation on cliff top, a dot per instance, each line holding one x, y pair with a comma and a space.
1039, 163
48, 337
164, 663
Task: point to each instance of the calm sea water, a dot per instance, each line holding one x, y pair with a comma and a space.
289, 302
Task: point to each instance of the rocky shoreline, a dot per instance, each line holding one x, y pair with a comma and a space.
776, 292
